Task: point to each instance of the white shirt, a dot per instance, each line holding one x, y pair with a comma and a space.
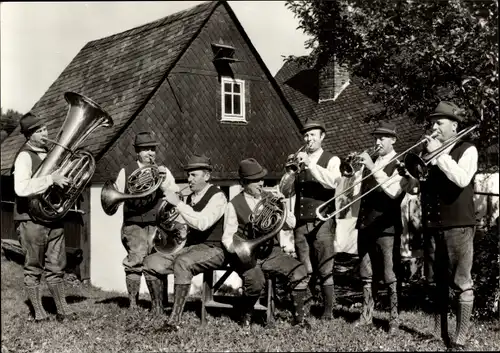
461, 172
329, 177
231, 220
204, 219
24, 185
396, 185
168, 183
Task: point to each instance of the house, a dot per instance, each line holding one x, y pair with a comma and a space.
196, 80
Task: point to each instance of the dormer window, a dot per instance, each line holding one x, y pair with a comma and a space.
233, 99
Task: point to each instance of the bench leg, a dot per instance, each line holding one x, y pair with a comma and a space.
270, 302
206, 294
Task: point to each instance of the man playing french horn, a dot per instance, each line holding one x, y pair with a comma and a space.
43, 243
240, 212
139, 215
202, 214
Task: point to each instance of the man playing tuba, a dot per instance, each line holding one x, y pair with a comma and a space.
43, 243
237, 217
202, 213
139, 216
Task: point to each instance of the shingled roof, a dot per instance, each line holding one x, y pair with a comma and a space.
346, 118
102, 71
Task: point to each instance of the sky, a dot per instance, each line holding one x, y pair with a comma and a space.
38, 40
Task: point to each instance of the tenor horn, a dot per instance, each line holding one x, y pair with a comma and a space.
292, 168
267, 219
83, 117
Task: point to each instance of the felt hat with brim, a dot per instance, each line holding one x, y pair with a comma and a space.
313, 124
198, 162
386, 129
250, 169
145, 139
448, 110
30, 122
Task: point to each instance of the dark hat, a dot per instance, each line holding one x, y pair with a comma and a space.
250, 169
30, 122
145, 139
313, 124
385, 128
198, 162
448, 110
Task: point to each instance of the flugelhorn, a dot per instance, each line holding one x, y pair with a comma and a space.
292, 168
141, 183
83, 117
352, 164
324, 216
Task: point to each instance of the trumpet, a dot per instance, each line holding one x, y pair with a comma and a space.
327, 204
292, 167
352, 164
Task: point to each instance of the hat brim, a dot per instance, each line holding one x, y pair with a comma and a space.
33, 128
196, 166
447, 116
257, 176
148, 144
383, 132
306, 129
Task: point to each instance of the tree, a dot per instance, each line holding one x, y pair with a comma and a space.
411, 54
8, 122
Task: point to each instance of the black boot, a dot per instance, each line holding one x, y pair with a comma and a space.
247, 305
59, 294
328, 301
155, 287
35, 298
394, 313
181, 292
366, 318
299, 309
464, 312
133, 287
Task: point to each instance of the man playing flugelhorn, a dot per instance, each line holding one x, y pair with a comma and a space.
202, 214
237, 218
139, 215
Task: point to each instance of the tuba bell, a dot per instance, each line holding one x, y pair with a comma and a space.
83, 117
267, 219
141, 183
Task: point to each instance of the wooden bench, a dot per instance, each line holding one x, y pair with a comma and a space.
209, 289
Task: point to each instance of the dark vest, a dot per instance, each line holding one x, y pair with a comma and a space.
310, 193
377, 211
212, 235
444, 204
21, 205
140, 210
243, 213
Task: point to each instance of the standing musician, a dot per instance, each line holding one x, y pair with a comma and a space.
43, 244
202, 213
139, 216
379, 223
448, 217
273, 261
315, 184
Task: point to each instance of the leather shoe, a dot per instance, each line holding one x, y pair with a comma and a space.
302, 323
64, 317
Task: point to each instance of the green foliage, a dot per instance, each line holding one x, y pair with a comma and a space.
410, 54
8, 122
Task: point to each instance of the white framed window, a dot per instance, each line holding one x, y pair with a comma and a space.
232, 99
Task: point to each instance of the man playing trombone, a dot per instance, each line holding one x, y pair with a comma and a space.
316, 181
379, 222
139, 215
448, 217
202, 213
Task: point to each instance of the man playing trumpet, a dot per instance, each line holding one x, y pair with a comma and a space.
271, 261
139, 216
202, 214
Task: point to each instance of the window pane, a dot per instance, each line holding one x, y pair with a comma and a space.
227, 87
227, 104
237, 87
237, 104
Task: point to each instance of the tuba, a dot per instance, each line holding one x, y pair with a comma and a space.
143, 182
266, 221
171, 235
78, 165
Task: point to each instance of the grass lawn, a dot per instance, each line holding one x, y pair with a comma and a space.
105, 325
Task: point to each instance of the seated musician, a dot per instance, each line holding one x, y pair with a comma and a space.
202, 213
139, 216
271, 262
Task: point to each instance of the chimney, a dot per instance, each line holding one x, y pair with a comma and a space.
333, 79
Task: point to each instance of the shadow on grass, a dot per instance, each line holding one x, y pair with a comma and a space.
50, 306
